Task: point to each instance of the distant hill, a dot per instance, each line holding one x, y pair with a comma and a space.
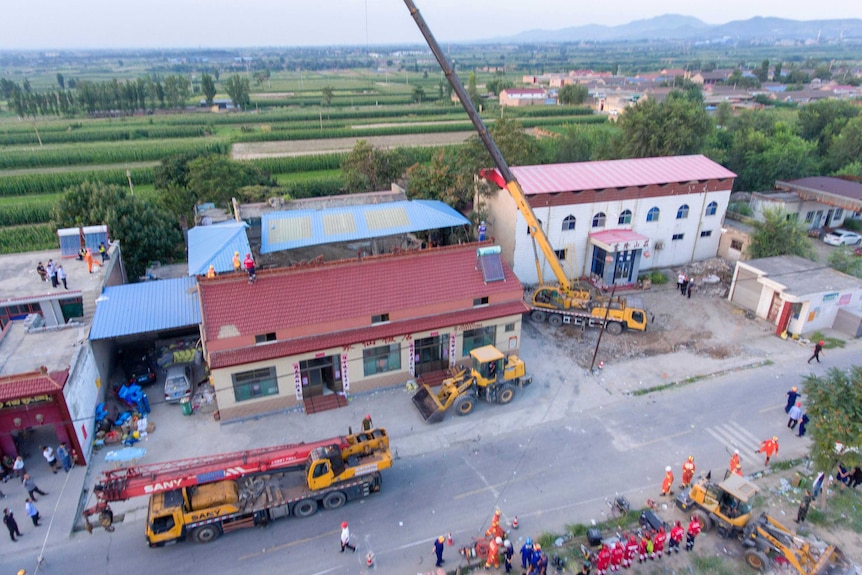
678, 27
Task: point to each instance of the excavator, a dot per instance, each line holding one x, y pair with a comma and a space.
201, 498
566, 302
768, 542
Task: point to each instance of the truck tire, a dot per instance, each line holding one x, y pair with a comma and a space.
334, 500
705, 520
464, 404
506, 394
206, 533
555, 320
614, 328
756, 559
538, 316
305, 508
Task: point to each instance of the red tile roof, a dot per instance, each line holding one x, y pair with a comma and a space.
24, 385
330, 293
551, 178
250, 354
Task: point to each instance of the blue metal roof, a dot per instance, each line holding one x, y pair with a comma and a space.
299, 228
215, 245
131, 309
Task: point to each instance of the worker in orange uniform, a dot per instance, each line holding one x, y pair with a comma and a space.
495, 530
211, 272
88, 257
734, 461
769, 447
667, 484
494, 553
688, 470
237, 263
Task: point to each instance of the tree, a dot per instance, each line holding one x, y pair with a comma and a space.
723, 114
237, 89
679, 125
821, 121
835, 408
61, 81
327, 95
177, 90
763, 72
208, 88
217, 178
442, 179
779, 234
473, 90
845, 261
370, 169
145, 233
846, 148
573, 94
418, 94
776, 74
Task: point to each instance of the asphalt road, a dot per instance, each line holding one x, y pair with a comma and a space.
557, 471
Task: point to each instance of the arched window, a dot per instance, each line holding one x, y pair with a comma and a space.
568, 223
599, 220
682, 212
711, 208
625, 218
652, 215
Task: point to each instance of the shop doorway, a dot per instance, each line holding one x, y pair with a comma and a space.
320, 376
431, 354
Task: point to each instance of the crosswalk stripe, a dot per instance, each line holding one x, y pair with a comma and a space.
734, 436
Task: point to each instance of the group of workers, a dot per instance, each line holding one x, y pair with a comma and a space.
247, 263
648, 545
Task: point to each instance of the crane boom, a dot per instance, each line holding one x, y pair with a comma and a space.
505, 178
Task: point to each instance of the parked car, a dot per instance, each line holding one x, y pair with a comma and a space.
178, 383
842, 238
138, 367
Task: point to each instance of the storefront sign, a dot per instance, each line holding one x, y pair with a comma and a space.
345, 378
412, 359
297, 381
452, 339
468, 326
23, 401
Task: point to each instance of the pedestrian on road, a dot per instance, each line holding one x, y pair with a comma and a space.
11, 524
32, 512
367, 424
795, 415
691, 534
803, 424
818, 349
18, 467
61, 275
527, 553
680, 279
688, 469
65, 458
791, 399
769, 447
508, 552
438, 550
345, 538
803, 507
48, 454
676, 534
31, 487
684, 287
667, 484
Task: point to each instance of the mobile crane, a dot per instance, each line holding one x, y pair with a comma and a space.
201, 498
563, 303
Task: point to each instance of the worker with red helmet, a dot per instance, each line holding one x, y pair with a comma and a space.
631, 551
769, 447
248, 262
617, 554
667, 484
692, 532
818, 349
603, 561
658, 541
688, 469
494, 552
676, 534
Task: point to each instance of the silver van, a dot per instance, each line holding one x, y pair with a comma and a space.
178, 383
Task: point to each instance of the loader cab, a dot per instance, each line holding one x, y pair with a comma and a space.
165, 518
324, 467
548, 297
488, 364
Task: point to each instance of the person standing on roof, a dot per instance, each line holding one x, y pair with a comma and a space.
236, 262
249, 267
211, 273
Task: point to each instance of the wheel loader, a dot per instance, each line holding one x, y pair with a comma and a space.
493, 378
725, 506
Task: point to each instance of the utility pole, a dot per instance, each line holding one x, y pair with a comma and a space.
129, 177
604, 326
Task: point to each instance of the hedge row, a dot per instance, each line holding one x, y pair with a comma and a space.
101, 135
27, 211
56, 182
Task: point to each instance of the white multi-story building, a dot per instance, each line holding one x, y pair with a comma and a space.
609, 220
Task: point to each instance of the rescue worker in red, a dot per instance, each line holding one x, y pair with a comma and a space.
769, 447
658, 541
248, 262
494, 553
603, 561
688, 470
676, 534
734, 461
617, 554
631, 551
667, 484
693, 531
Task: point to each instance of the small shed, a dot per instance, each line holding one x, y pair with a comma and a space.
95, 235
70, 242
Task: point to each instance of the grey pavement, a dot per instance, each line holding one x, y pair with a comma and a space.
561, 390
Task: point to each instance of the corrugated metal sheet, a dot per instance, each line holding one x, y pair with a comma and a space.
146, 307
299, 228
215, 245
578, 176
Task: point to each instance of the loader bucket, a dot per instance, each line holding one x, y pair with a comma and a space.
428, 405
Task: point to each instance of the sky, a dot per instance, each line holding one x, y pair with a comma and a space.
108, 24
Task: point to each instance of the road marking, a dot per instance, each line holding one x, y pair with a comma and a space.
663, 438
291, 544
491, 487
734, 436
771, 408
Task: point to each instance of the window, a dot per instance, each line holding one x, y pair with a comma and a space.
264, 338
809, 217
381, 359
625, 218
682, 212
711, 208
652, 215
480, 301
677, 237
474, 338
382, 318
839, 214
561, 254
736, 245
568, 223
254, 384
705, 233
599, 220
509, 327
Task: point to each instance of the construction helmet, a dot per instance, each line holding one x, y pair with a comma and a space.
792, 389
507, 543
529, 541
820, 342
441, 539
236, 253
499, 540
736, 451
691, 457
667, 468
497, 512
537, 547
344, 524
